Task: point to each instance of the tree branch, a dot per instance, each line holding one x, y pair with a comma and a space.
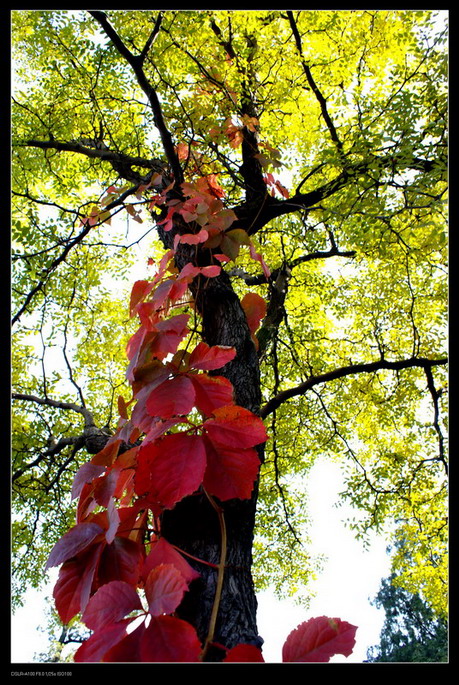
136, 62
78, 443
273, 208
62, 257
259, 279
117, 159
312, 84
369, 367
58, 404
151, 37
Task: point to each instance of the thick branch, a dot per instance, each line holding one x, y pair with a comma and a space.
436, 394
273, 208
369, 367
96, 153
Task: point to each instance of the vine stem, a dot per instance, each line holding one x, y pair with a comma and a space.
220, 574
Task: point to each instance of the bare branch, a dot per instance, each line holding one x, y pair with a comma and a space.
103, 153
259, 279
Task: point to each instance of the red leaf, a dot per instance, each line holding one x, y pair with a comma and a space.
104, 487
173, 397
86, 502
73, 587
192, 238
169, 639
85, 474
210, 271
206, 358
164, 589
211, 392
94, 649
139, 292
235, 427
167, 221
112, 602
254, 307
171, 468
127, 650
161, 293
162, 552
258, 258
113, 521
246, 653
135, 350
75, 540
230, 473
120, 560
319, 639
169, 335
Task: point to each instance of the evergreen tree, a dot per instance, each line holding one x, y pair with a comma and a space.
411, 631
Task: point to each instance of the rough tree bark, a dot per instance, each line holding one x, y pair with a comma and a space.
193, 524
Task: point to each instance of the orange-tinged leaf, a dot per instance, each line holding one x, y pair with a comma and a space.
122, 407
182, 150
318, 639
254, 307
235, 427
206, 358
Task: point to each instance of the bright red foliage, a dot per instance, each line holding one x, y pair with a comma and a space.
319, 639
117, 569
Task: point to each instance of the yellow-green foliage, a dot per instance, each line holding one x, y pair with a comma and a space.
383, 76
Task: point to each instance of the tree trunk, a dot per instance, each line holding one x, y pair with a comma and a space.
193, 524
